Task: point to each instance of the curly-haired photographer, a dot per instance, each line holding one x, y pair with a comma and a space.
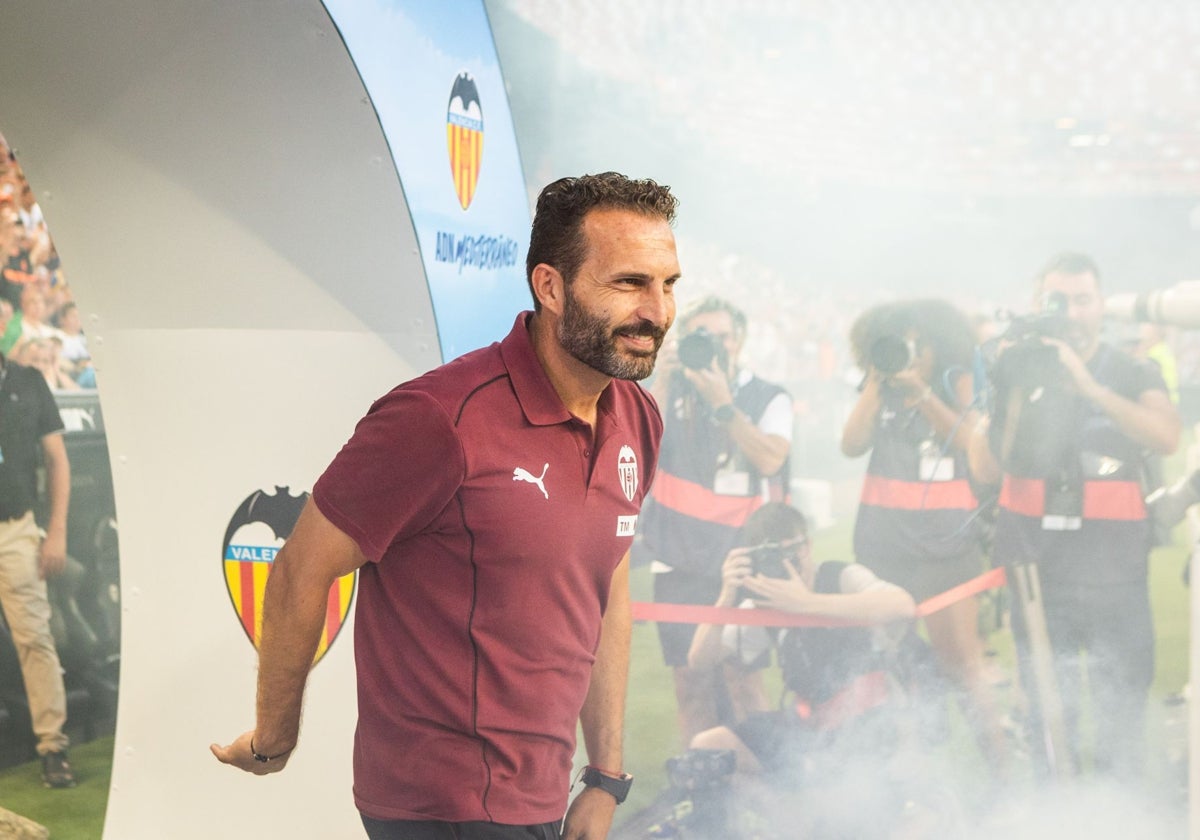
917, 524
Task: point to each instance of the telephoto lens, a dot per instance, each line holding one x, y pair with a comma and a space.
890, 354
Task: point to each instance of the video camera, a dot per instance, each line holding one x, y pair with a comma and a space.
1027, 361
698, 348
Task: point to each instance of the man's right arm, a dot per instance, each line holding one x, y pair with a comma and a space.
315, 555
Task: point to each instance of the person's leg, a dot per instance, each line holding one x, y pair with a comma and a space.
695, 689
27, 611
724, 738
1120, 671
954, 637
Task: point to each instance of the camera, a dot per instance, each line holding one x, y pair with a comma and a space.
768, 559
1029, 362
891, 354
698, 348
701, 769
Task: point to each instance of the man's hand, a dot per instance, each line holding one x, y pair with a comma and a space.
736, 568
52, 554
711, 384
239, 755
789, 594
1085, 383
909, 382
590, 815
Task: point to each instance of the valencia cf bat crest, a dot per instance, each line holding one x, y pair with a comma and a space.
464, 136
256, 532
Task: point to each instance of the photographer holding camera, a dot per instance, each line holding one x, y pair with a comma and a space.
726, 439
917, 523
1071, 422
837, 678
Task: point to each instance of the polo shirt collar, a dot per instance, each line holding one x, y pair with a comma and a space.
535, 393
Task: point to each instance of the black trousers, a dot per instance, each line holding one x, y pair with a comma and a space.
431, 830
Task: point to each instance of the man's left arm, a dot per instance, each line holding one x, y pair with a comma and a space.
602, 718
765, 451
52, 556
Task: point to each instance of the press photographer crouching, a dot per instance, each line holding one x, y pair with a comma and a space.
834, 723
1071, 421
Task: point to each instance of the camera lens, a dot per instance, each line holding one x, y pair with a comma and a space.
697, 350
890, 354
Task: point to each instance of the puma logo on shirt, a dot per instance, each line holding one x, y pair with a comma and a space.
522, 474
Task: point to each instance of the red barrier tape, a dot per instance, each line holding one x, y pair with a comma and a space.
698, 614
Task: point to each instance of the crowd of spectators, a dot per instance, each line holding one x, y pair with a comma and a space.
39, 323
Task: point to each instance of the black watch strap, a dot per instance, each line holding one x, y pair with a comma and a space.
618, 787
724, 414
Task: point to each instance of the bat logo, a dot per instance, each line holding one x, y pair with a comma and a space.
257, 530
464, 136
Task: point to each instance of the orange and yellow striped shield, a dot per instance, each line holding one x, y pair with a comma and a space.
255, 534
464, 137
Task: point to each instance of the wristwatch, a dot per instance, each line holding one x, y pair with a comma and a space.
724, 413
618, 787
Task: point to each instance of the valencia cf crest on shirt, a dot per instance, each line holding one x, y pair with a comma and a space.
627, 470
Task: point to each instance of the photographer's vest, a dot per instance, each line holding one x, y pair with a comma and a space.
705, 489
835, 672
916, 501
1079, 513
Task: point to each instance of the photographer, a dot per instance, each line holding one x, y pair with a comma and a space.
1071, 421
836, 677
917, 525
725, 450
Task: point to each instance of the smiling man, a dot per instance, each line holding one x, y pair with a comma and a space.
491, 504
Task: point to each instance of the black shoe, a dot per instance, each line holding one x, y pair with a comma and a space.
56, 771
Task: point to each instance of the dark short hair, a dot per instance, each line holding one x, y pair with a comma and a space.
773, 522
1069, 262
557, 236
712, 303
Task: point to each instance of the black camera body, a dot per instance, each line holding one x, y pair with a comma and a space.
701, 769
768, 560
1029, 362
698, 348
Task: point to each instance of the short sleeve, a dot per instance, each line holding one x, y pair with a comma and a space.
778, 417
49, 420
399, 470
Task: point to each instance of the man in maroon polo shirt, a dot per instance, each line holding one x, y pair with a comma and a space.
491, 504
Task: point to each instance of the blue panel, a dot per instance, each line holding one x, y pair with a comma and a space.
432, 72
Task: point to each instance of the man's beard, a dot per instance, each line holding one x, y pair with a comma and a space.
591, 340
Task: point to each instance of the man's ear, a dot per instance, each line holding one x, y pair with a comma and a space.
549, 288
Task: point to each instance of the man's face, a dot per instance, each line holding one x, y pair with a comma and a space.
1085, 307
720, 326
33, 305
619, 306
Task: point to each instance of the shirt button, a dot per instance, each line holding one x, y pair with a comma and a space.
587, 453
